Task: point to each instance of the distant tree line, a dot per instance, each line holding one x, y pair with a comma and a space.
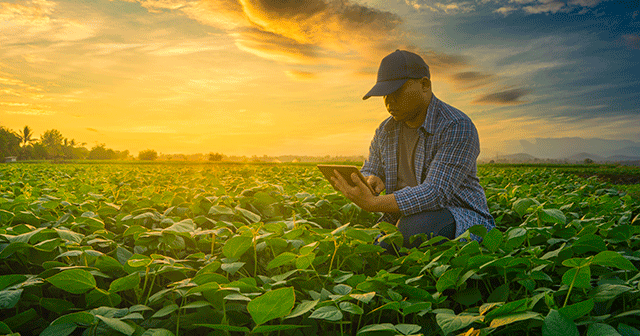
51, 145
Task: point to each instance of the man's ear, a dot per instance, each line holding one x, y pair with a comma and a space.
426, 84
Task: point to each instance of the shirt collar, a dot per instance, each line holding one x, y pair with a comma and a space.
429, 124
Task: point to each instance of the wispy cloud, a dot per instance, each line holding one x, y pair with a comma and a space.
307, 31
469, 80
301, 75
631, 40
506, 97
36, 20
451, 7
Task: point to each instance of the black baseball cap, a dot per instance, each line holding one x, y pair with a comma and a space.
395, 69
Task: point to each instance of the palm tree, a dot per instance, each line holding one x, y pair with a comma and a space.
25, 136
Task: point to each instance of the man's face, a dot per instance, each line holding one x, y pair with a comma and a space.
409, 103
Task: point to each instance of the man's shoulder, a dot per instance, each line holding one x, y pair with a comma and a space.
450, 112
446, 115
386, 126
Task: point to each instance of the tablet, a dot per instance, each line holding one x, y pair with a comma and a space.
345, 171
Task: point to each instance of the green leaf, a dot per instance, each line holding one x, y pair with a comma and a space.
448, 279
449, 322
522, 205
493, 240
80, 318
11, 279
250, 216
225, 327
408, 329
351, 308
271, 305
606, 292
500, 294
128, 282
221, 210
589, 243
557, 325
580, 277
167, 310
613, 259
75, 281
552, 216
236, 246
99, 297
304, 261
512, 318
626, 330
302, 308
61, 329
329, 313
269, 328
577, 310
9, 298
158, 332
231, 268
117, 325
377, 328
56, 305
282, 259
600, 329
139, 260
478, 230
183, 227
509, 308
417, 308
468, 296
364, 298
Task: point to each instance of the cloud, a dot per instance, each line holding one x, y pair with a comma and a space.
506, 97
546, 7
450, 7
507, 7
275, 47
301, 75
632, 41
36, 20
297, 31
471, 80
17, 88
92, 130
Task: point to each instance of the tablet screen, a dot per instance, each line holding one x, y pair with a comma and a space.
345, 171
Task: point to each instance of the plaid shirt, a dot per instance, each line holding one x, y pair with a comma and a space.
445, 166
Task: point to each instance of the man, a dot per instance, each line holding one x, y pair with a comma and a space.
424, 155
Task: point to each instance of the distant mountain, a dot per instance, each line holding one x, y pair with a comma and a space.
580, 157
621, 158
512, 158
559, 148
628, 151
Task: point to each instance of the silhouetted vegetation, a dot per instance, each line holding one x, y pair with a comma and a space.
51, 145
148, 155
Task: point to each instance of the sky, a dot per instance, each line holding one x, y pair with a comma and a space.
286, 77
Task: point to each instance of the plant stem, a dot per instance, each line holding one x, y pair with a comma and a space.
213, 242
146, 301
335, 251
184, 298
566, 299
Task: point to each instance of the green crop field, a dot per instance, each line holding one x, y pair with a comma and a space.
223, 249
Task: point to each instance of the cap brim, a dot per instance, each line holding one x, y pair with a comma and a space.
385, 88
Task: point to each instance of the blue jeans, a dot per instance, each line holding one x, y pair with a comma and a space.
431, 223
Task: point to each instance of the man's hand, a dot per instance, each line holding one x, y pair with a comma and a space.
375, 183
362, 196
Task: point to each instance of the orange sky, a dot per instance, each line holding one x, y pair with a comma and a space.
254, 77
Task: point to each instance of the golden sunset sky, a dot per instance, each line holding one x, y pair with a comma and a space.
266, 77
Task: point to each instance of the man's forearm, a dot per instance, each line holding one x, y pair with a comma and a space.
384, 203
